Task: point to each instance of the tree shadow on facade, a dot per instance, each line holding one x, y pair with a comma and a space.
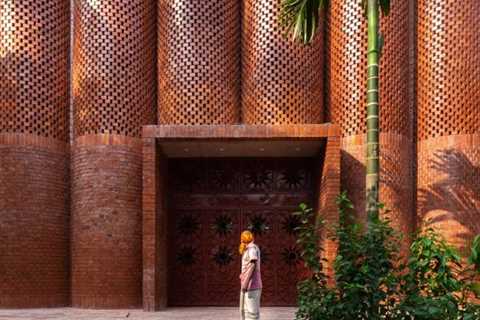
396, 184
453, 197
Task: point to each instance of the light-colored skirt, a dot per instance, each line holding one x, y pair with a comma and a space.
250, 304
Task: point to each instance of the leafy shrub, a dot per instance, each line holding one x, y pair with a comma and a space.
371, 282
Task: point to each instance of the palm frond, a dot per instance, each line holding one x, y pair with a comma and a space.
300, 18
384, 6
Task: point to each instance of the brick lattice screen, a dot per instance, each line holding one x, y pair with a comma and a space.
448, 95
198, 61
282, 81
34, 43
113, 67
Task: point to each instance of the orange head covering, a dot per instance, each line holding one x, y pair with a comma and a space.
245, 239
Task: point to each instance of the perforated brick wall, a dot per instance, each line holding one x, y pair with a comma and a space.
346, 98
114, 66
282, 81
347, 63
448, 94
114, 95
34, 43
198, 61
34, 240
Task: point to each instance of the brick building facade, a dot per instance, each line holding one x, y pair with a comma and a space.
110, 111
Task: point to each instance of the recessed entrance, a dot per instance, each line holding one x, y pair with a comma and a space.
210, 202
203, 184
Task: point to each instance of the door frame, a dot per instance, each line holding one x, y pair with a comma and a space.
321, 141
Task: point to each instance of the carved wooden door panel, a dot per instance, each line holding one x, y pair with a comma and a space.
211, 202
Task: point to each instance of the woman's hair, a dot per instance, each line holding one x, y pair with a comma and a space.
245, 238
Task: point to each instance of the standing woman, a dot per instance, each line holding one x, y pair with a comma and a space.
250, 278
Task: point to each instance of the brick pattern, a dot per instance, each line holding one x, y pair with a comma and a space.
106, 222
198, 61
282, 81
448, 68
155, 277
448, 95
347, 63
114, 67
396, 178
346, 96
329, 189
448, 196
34, 237
34, 43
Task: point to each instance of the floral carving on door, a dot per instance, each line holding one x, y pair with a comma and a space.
210, 202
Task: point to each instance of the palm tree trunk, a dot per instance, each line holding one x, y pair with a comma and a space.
373, 162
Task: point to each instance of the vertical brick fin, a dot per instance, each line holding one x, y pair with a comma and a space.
154, 227
114, 66
282, 81
106, 223
329, 189
34, 45
346, 99
448, 95
198, 61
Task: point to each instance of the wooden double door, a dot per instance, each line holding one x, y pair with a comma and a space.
210, 202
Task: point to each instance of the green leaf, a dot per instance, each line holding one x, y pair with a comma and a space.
384, 6
300, 18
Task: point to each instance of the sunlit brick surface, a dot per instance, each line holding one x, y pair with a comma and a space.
448, 94
113, 66
34, 43
346, 97
198, 61
282, 81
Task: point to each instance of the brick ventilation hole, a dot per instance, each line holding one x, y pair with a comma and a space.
347, 62
282, 82
448, 68
114, 67
448, 98
34, 42
346, 99
198, 61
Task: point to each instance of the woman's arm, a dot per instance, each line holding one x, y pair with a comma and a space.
247, 275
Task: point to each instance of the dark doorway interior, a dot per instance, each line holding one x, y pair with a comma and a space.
210, 201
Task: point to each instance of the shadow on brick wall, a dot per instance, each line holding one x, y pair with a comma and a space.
453, 197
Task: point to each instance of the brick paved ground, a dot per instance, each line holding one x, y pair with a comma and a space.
170, 314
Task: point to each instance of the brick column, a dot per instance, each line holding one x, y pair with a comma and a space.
346, 96
114, 94
34, 154
329, 189
448, 95
154, 227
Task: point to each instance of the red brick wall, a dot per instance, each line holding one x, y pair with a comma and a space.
114, 94
106, 222
34, 239
346, 80
448, 95
329, 189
